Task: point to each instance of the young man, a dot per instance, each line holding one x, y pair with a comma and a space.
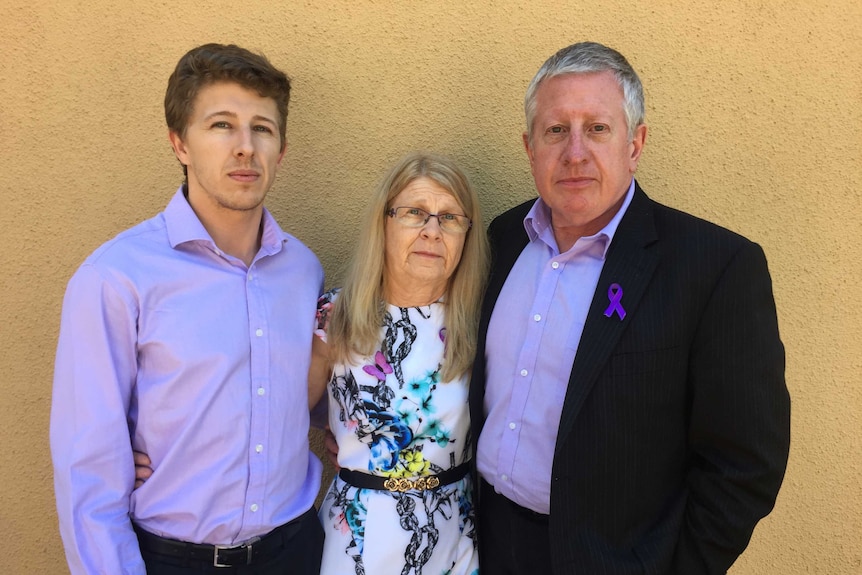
188, 337
628, 393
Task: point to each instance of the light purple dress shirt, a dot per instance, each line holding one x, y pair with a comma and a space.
532, 339
172, 347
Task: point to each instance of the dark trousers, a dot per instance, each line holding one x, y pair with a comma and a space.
299, 556
512, 540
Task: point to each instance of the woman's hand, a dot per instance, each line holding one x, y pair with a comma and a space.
330, 448
143, 471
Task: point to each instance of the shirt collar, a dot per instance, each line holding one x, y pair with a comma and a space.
184, 226
537, 224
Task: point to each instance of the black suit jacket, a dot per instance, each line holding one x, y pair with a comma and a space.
675, 430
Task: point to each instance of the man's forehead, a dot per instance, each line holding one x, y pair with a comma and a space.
231, 96
598, 90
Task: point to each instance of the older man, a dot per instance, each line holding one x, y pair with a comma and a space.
628, 396
188, 337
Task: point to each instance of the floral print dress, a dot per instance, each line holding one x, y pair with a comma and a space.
393, 417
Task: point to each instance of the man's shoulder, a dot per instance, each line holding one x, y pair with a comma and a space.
297, 247
123, 262
292, 249
145, 236
129, 257
673, 224
124, 249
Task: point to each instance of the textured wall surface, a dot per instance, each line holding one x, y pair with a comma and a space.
755, 117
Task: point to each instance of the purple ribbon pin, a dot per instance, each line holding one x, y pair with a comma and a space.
615, 294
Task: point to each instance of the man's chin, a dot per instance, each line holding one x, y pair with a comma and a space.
243, 204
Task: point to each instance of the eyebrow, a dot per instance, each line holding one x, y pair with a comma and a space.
230, 114
422, 204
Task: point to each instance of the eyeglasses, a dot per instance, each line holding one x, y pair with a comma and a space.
417, 217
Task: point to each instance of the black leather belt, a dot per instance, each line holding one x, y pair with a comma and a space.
367, 481
255, 550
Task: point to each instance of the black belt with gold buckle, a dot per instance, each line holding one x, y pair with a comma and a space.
402, 484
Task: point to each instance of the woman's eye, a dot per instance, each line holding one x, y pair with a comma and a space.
221, 125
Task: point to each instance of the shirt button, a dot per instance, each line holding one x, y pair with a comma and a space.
512, 425
537, 317
259, 333
504, 477
258, 447
250, 277
524, 372
555, 265
253, 507
261, 391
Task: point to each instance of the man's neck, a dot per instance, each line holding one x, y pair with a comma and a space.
235, 232
239, 236
567, 232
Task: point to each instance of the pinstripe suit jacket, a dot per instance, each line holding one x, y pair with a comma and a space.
675, 430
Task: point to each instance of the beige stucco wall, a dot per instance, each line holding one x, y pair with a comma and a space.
755, 116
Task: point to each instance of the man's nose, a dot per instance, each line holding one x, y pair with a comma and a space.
244, 145
576, 149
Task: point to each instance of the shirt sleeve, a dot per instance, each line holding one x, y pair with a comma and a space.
94, 375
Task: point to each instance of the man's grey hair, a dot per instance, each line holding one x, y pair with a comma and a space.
585, 58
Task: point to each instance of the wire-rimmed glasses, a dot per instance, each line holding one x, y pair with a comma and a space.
417, 218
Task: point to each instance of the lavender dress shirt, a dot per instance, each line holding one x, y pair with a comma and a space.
172, 347
532, 340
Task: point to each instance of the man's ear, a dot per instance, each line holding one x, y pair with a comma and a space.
638, 145
281, 155
179, 147
527, 148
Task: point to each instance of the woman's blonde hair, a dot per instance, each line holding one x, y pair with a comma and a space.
357, 316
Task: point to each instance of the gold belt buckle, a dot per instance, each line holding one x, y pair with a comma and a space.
403, 484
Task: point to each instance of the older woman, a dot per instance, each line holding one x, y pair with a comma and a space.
394, 351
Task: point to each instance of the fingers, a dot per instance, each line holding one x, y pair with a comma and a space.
141, 459
143, 471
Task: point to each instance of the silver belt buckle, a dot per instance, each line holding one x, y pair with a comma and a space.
247, 546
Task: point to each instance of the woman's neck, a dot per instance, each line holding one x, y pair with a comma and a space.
402, 295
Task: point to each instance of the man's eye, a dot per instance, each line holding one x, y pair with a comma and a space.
600, 128
264, 129
221, 125
556, 130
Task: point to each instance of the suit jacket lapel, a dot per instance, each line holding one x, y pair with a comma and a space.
631, 261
